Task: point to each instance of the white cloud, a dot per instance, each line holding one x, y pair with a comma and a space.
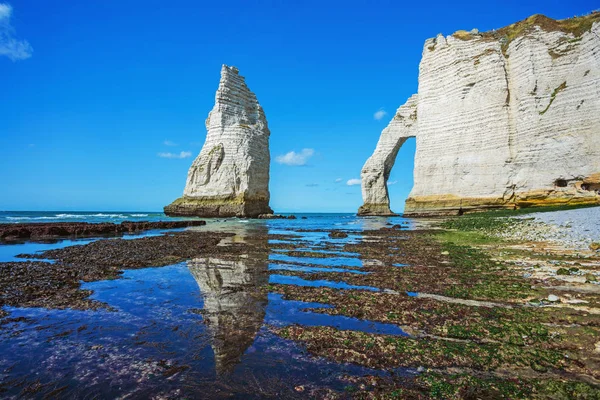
183, 154
392, 182
295, 159
9, 45
169, 143
338, 180
5, 11
379, 114
352, 182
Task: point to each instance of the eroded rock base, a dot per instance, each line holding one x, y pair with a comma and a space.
211, 208
376, 210
446, 205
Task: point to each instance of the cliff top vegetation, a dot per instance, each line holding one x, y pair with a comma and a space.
575, 26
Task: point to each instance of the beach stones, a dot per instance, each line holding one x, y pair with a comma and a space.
553, 298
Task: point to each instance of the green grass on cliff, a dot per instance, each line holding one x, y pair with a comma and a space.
576, 26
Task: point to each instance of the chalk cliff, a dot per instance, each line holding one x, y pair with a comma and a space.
230, 176
504, 119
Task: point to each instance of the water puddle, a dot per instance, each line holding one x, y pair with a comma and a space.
201, 328
332, 252
329, 261
9, 251
287, 312
295, 280
291, 267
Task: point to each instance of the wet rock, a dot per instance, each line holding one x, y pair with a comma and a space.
590, 278
274, 216
39, 231
595, 246
338, 235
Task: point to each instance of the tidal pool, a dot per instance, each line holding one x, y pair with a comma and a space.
201, 327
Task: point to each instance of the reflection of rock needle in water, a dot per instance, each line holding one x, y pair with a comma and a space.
233, 307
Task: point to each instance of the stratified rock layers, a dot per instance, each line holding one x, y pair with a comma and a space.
230, 176
505, 119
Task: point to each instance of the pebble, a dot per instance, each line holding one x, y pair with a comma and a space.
553, 298
578, 228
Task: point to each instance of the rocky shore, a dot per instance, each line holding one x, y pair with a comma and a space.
480, 316
57, 284
54, 230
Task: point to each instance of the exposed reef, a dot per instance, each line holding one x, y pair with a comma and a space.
503, 119
230, 176
58, 285
54, 230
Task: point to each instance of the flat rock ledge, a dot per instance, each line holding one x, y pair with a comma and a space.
42, 231
276, 216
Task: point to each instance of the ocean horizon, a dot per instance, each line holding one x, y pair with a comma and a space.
119, 216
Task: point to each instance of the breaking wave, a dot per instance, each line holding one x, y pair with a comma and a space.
70, 216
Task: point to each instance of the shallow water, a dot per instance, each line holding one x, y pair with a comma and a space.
197, 327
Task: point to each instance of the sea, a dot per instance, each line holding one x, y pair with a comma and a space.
202, 328
79, 216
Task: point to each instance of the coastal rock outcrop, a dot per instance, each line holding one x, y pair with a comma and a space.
377, 169
55, 230
230, 176
504, 119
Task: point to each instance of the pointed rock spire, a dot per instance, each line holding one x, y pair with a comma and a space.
230, 176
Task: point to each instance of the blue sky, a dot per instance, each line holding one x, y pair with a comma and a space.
94, 91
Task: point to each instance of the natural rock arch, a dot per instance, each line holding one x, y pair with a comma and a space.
376, 171
506, 119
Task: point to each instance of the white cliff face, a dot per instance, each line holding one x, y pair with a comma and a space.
230, 176
507, 119
376, 170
